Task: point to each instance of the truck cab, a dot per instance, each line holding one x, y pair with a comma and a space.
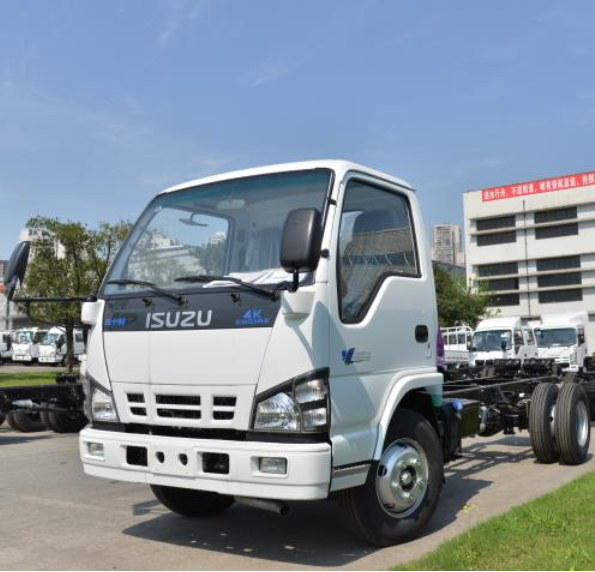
25, 347
53, 347
457, 340
6, 346
269, 335
561, 337
502, 338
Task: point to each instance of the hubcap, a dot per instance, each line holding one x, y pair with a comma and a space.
402, 478
582, 423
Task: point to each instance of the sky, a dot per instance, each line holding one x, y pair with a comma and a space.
104, 104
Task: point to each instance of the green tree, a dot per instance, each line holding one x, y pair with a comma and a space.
70, 260
459, 303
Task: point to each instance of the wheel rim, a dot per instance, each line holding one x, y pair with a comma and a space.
582, 423
402, 478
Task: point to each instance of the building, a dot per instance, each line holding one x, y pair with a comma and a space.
36, 234
532, 245
447, 246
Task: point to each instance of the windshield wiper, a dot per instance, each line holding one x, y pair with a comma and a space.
206, 278
128, 282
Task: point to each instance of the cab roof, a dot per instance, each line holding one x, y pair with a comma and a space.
338, 165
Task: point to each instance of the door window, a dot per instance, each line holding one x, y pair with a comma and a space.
376, 240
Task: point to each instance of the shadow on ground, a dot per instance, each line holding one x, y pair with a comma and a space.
314, 534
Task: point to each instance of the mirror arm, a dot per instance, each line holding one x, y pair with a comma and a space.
296, 281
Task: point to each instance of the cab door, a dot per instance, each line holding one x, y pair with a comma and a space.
382, 305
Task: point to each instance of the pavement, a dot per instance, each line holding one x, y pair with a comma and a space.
52, 516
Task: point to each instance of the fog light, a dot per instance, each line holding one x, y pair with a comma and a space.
95, 449
273, 465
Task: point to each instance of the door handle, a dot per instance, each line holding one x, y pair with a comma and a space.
421, 334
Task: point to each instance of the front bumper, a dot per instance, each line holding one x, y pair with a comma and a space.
49, 359
308, 465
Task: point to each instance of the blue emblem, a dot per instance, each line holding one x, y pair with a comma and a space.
115, 322
253, 318
347, 356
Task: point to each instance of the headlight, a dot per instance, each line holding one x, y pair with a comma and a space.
573, 357
301, 405
99, 403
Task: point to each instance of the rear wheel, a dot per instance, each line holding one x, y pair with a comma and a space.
541, 422
26, 422
192, 503
2, 418
573, 427
62, 422
402, 489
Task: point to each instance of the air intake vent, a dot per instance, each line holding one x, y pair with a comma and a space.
224, 408
178, 400
136, 398
178, 406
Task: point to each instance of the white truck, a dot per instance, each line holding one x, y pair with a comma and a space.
52, 349
561, 337
269, 335
6, 346
457, 340
25, 347
502, 338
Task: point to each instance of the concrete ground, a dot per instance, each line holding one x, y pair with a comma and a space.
52, 516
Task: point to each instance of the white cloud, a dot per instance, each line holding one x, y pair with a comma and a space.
180, 14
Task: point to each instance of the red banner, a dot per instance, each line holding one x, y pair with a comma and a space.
537, 187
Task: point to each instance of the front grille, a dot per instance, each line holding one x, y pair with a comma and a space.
224, 408
178, 406
138, 399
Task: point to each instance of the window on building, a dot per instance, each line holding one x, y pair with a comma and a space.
498, 269
507, 300
559, 263
556, 231
496, 238
495, 222
559, 279
503, 284
554, 215
549, 297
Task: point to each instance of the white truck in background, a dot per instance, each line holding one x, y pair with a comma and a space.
457, 341
502, 338
25, 346
52, 349
6, 339
562, 337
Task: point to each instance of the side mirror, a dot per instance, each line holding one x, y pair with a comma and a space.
503, 345
16, 268
300, 243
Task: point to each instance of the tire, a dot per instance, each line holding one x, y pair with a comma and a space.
65, 422
2, 418
541, 421
411, 439
27, 422
45, 418
590, 391
573, 428
192, 503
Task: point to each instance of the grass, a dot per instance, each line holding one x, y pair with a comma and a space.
27, 378
553, 532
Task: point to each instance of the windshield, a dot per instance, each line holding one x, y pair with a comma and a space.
229, 228
491, 340
556, 337
50, 339
24, 337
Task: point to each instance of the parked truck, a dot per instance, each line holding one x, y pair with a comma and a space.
25, 347
53, 349
269, 335
502, 338
562, 337
6, 346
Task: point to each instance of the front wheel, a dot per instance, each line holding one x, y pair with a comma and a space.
572, 426
188, 502
402, 489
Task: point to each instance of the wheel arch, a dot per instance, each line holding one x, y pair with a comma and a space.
421, 393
